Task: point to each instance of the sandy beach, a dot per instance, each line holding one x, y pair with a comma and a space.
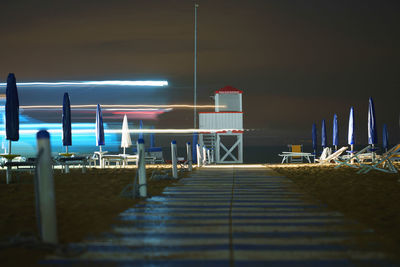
87, 204
371, 199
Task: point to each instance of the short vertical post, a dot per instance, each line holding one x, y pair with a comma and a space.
189, 156
208, 156
212, 155
8, 171
47, 206
198, 155
141, 168
174, 159
204, 155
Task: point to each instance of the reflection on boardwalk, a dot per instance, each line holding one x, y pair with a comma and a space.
228, 217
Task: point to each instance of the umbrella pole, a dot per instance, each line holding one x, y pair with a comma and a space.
373, 152
352, 154
66, 165
101, 158
8, 172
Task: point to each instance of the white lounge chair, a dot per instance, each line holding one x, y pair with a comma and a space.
383, 163
332, 157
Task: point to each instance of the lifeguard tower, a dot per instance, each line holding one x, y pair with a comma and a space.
227, 141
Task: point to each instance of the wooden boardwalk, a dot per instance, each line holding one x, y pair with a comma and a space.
228, 217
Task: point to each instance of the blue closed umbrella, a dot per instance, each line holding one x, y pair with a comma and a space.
140, 127
12, 117
335, 138
194, 147
323, 135
372, 134
314, 138
350, 135
100, 141
12, 110
66, 122
385, 138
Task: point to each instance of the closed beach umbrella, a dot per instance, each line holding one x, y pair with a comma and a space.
385, 138
372, 134
140, 127
12, 110
99, 127
350, 136
335, 138
66, 122
323, 135
194, 147
314, 138
126, 137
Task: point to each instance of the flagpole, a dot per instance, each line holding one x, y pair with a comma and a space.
195, 66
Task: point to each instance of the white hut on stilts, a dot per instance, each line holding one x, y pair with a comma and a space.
226, 143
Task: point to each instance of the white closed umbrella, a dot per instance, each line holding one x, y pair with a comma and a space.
126, 137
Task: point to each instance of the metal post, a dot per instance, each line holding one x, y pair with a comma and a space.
47, 206
174, 160
208, 156
141, 169
189, 156
195, 66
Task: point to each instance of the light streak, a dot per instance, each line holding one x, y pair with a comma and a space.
119, 131
83, 83
120, 106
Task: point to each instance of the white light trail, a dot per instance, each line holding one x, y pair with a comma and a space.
83, 83
120, 106
119, 131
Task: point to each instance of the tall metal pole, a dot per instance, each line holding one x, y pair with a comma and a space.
195, 65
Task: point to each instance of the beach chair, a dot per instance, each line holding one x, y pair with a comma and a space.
296, 149
383, 163
332, 157
354, 158
325, 153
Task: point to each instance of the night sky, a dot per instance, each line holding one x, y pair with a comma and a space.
296, 61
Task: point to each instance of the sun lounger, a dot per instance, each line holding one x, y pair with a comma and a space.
80, 161
332, 157
349, 161
295, 155
383, 163
325, 153
287, 156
